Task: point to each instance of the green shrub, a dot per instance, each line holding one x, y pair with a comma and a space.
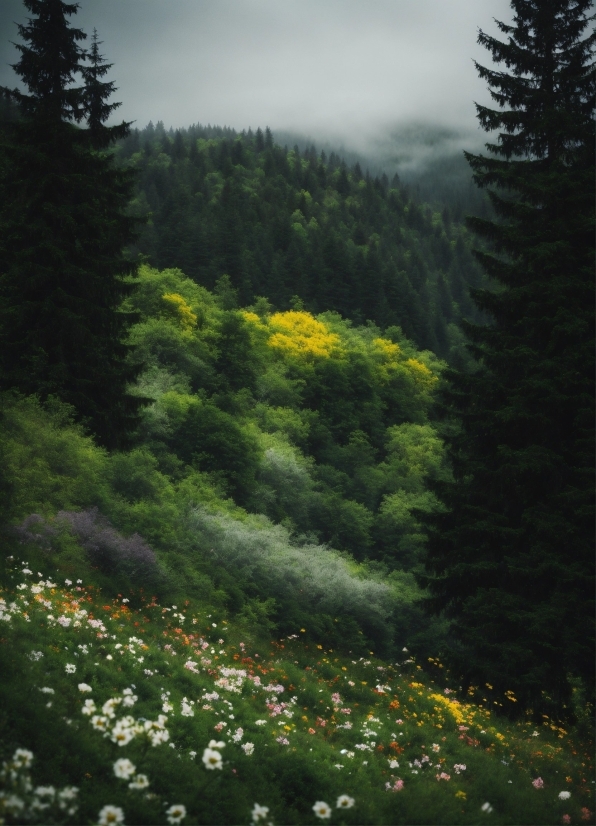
48, 463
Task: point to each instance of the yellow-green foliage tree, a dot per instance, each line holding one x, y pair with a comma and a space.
293, 414
298, 334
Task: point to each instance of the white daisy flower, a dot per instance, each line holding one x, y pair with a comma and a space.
212, 759
124, 768
110, 815
176, 814
140, 781
22, 758
322, 810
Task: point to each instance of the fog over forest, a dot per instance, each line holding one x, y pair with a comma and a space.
390, 79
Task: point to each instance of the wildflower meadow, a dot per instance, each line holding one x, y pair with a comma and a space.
122, 710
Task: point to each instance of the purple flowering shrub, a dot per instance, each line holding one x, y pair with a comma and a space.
104, 545
34, 528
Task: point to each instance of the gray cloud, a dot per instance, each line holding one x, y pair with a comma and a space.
355, 71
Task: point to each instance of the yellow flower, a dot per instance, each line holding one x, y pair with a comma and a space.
186, 317
452, 706
253, 318
461, 795
300, 335
420, 372
387, 348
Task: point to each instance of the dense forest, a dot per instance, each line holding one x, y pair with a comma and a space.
293, 225
296, 466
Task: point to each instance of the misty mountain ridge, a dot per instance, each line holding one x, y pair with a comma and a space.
291, 223
427, 157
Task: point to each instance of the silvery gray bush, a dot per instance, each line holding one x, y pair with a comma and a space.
320, 577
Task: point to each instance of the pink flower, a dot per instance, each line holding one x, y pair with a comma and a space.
566, 819
336, 698
538, 783
443, 776
399, 722
276, 708
586, 813
346, 710
397, 786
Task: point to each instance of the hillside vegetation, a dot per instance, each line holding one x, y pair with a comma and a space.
284, 223
296, 485
283, 455
245, 575
124, 709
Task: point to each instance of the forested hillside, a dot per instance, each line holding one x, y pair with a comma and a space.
318, 427
296, 477
286, 225
179, 644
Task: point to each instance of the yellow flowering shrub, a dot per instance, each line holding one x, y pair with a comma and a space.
421, 373
300, 335
186, 317
251, 317
390, 360
456, 709
254, 320
387, 348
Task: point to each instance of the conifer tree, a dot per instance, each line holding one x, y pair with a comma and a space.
96, 94
511, 562
63, 274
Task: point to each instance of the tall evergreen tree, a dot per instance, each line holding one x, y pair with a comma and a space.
63, 273
96, 94
511, 562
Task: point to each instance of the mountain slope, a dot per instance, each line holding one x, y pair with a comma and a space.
286, 224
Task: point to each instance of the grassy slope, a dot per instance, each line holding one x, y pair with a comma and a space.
329, 751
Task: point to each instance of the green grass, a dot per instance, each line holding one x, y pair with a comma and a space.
387, 722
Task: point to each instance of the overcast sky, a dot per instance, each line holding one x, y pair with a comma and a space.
347, 70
